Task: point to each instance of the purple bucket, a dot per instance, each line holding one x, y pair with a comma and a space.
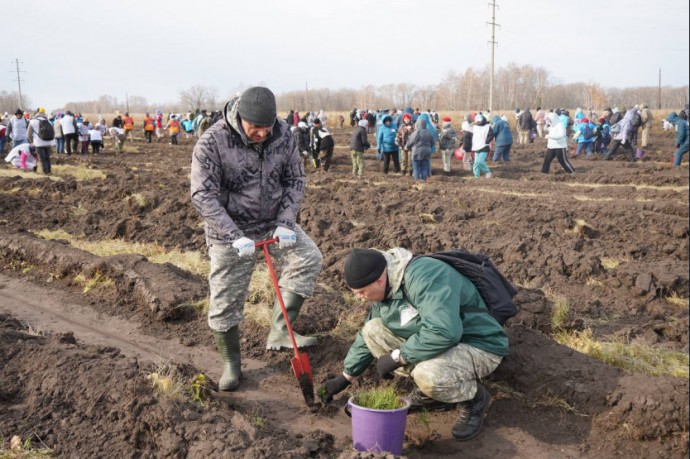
378, 430
639, 154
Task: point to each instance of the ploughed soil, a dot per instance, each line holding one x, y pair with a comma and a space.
611, 240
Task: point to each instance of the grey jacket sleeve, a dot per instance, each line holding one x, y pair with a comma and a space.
206, 178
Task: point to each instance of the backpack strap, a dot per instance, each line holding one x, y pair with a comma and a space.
406, 294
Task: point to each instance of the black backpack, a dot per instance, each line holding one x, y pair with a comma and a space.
637, 120
45, 130
496, 291
587, 132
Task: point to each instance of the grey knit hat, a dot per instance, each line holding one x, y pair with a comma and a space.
363, 267
258, 106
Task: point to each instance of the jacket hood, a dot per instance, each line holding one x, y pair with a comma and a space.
387, 117
495, 119
424, 116
396, 260
555, 119
421, 123
672, 117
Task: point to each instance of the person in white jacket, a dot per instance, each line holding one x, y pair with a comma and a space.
69, 131
22, 157
43, 146
557, 145
17, 127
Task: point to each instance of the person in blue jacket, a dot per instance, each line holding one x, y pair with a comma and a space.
504, 139
585, 134
682, 137
386, 146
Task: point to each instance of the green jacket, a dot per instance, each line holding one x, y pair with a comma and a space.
436, 322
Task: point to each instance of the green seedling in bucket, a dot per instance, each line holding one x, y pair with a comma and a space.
385, 398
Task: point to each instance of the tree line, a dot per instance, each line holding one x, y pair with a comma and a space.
515, 86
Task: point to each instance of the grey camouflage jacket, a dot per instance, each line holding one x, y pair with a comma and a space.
242, 188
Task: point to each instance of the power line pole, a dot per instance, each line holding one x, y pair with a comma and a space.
658, 94
493, 44
19, 81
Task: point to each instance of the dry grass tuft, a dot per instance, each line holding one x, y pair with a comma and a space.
193, 262
550, 400
80, 173
636, 356
675, 300
98, 281
560, 312
260, 297
167, 383
609, 263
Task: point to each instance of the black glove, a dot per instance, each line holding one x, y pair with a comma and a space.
332, 387
386, 365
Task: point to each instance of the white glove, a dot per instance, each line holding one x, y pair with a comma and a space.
286, 237
623, 141
304, 154
244, 246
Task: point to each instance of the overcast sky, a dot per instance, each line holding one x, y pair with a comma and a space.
80, 50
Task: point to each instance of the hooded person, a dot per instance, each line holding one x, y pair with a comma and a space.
359, 143
446, 143
426, 322
482, 135
503, 139
421, 142
621, 136
406, 129
247, 183
386, 146
556, 145
682, 137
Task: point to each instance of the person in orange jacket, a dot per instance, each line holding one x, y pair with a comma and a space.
148, 127
173, 127
128, 122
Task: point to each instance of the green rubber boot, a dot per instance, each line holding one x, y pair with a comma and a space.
278, 337
228, 344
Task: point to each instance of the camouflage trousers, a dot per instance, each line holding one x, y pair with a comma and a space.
357, 162
446, 155
230, 275
450, 377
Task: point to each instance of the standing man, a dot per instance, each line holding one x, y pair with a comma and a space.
447, 143
42, 135
149, 126
128, 123
248, 182
17, 127
428, 322
69, 132
647, 120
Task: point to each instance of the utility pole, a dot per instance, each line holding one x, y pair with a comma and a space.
19, 82
493, 44
127, 101
658, 94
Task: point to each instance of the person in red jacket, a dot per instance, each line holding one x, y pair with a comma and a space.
128, 123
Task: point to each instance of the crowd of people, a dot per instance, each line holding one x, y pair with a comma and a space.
34, 137
401, 146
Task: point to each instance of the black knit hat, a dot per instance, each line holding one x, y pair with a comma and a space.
258, 106
363, 266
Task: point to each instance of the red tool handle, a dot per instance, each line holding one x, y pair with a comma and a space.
264, 245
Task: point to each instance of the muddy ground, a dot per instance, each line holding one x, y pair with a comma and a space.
611, 239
